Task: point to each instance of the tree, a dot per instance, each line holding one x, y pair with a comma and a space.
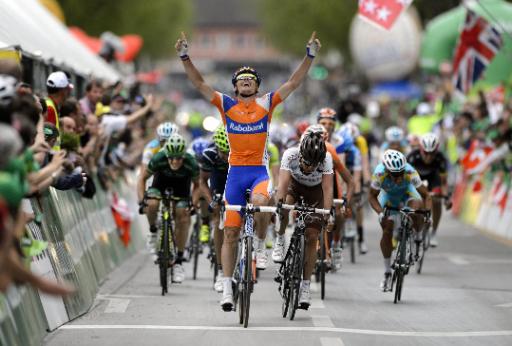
158, 21
289, 23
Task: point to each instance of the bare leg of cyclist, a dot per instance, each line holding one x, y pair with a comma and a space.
416, 218
386, 247
339, 224
261, 221
279, 245
152, 211
182, 228
360, 230
311, 238
437, 210
229, 251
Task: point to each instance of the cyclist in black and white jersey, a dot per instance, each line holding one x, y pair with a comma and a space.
306, 171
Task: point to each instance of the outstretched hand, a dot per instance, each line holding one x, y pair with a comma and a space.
182, 46
313, 45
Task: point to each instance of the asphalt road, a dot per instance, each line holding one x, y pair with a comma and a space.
463, 297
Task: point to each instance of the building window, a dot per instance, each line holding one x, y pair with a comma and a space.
240, 41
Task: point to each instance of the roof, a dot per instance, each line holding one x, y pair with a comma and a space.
226, 13
29, 25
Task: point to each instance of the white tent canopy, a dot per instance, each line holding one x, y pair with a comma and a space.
28, 24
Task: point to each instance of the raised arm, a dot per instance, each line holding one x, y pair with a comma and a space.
298, 76
192, 73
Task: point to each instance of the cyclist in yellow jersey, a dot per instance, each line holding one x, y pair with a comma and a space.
362, 145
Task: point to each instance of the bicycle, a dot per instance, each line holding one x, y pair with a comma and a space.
404, 249
423, 244
290, 274
167, 251
212, 255
321, 267
244, 276
195, 246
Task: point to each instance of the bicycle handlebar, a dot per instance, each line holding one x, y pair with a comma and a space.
406, 210
306, 209
251, 208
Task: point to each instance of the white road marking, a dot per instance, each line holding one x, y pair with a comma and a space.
458, 260
331, 341
506, 305
322, 321
294, 329
317, 304
117, 306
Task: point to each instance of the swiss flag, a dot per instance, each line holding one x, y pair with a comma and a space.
383, 13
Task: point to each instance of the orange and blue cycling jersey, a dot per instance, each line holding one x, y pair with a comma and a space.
247, 125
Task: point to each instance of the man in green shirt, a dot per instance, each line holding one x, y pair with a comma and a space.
172, 168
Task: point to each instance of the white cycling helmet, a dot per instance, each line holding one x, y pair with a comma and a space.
165, 130
352, 128
394, 134
429, 142
7, 89
394, 161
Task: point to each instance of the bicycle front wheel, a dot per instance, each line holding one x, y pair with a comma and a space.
164, 258
195, 249
247, 280
298, 267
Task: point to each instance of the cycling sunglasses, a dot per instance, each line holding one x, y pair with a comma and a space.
246, 76
396, 174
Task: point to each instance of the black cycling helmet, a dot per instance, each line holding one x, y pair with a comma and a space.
246, 70
312, 148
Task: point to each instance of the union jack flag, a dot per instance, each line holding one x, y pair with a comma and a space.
478, 43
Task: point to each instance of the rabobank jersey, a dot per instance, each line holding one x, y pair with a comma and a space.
382, 181
247, 125
150, 150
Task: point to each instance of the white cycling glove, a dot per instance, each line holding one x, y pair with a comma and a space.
312, 49
183, 51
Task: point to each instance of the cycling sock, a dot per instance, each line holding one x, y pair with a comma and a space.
259, 243
360, 233
280, 238
228, 288
387, 264
179, 259
306, 282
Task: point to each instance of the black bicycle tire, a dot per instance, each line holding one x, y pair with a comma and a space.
352, 250
164, 259
248, 279
195, 248
298, 267
398, 285
323, 255
286, 282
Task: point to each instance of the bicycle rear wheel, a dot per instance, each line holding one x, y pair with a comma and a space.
163, 263
247, 280
398, 288
401, 262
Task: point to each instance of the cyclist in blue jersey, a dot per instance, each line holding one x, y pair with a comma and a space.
213, 175
395, 139
197, 147
395, 183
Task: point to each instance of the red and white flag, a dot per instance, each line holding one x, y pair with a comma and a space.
382, 13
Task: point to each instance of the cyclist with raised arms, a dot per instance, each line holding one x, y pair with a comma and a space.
306, 171
247, 119
163, 132
395, 183
172, 167
213, 174
432, 167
